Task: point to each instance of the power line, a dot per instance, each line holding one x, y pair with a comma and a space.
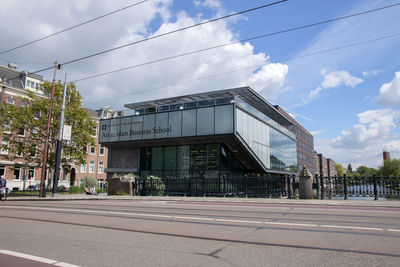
161, 35
235, 42
72, 27
254, 66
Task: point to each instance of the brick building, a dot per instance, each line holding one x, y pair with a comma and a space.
324, 166
14, 86
304, 143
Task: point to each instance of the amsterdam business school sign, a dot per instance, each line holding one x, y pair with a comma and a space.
133, 128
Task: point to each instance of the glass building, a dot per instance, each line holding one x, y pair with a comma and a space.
226, 133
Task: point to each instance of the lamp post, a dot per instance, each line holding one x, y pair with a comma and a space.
59, 143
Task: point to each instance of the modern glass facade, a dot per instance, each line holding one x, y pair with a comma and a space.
197, 161
222, 133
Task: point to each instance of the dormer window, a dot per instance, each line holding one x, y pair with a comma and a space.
10, 101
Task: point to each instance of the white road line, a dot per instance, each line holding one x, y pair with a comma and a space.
36, 258
205, 218
292, 224
237, 221
352, 227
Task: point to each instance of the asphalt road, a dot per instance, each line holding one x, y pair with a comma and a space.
175, 233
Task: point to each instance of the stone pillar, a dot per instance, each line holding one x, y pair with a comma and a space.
305, 184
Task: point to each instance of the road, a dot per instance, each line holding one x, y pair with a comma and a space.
210, 233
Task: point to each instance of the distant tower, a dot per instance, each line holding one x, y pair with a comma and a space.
386, 155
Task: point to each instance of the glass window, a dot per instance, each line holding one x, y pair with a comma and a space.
31, 174
189, 122
4, 147
92, 150
7, 127
10, 100
125, 129
175, 123
17, 174
170, 158
91, 166
101, 150
183, 158
157, 158
136, 128
224, 119
190, 105
101, 167
83, 168
161, 128
205, 121
205, 103
148, 126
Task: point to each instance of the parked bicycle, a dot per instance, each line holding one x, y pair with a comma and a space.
3, 193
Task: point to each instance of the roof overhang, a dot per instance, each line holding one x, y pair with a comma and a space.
245, 93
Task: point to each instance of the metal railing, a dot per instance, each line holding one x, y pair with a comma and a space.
355, 187
268, 186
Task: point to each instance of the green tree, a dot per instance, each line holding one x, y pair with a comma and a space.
390, 167
33, 116
366, 171
339, 169
349, 168
21, 130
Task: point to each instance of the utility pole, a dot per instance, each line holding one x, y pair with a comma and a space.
59, 143
42, 192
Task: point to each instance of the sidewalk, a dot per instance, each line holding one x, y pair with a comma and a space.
66, 197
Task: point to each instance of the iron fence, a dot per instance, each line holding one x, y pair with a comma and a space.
268, 186
355, 187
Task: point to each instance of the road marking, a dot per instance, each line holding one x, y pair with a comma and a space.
237, 221
36, 258
352, 227
292, 224
205, 218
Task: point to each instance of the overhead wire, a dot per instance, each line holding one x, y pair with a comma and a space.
160, 35
235, 42
251, 67
72, 27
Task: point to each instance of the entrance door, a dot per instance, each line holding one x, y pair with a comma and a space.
72, 177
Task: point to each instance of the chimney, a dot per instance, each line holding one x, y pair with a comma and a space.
386, 155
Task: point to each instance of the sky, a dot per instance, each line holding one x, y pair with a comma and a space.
340, 80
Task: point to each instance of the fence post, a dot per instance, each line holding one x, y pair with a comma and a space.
288, 187
151, 185
321, 177
345, 186
246, 184
375, 188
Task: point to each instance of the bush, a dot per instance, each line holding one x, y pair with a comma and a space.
88, 181
155, 185
76, 190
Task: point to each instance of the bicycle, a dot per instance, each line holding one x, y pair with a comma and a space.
3, 194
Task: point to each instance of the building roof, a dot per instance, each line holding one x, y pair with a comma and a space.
245, 93
14, 77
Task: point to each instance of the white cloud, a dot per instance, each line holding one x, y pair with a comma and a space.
333, 79
269, 79
390, 92
371, 73
364, 142
208, 3
315, 133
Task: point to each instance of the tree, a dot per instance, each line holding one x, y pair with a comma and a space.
21, 130
366, 171
391, 167
349, 168
33, 117
339, 169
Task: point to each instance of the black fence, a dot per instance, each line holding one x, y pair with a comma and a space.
268, 186
337, 187
345, 187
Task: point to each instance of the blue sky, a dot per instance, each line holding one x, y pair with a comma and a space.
348, 98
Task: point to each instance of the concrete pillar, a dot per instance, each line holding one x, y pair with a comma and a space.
305, 184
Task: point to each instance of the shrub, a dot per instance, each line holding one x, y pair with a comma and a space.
75, 190
88, 181
155, 185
